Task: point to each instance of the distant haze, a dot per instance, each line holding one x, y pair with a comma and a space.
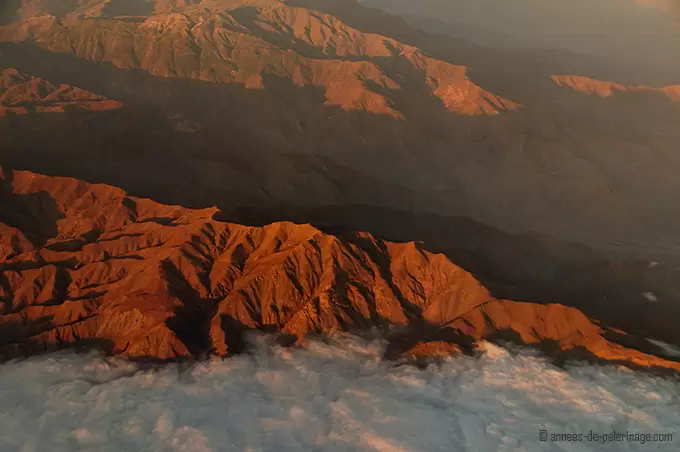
645, 31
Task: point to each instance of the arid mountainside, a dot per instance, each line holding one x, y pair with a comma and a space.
608, 89
232, 42
21, 94
344, 117
87, 265
291, 101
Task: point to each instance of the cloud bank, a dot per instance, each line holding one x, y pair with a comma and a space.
336, 396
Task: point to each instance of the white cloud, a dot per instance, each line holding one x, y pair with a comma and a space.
650, 297
328, 397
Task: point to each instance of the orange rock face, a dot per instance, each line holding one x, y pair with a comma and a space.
88, 265
246, 42
21, 94
608, 89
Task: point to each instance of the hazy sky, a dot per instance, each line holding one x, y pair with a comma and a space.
643, 30
572, 14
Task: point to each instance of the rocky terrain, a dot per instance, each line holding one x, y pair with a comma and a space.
21, 94
332, 92
439, 180
89, 266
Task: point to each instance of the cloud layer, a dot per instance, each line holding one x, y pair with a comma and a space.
328, 397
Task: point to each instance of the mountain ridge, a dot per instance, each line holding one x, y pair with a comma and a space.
21, 94
220, 48
145, 280
608, 89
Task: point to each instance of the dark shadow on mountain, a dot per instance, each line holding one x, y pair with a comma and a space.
403, 339
17, 337
191, 320
637, 343
128, 8
235, 335
35, 215
12, 332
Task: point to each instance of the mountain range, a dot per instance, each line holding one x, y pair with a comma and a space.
467, 131
439, 179
89, 266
